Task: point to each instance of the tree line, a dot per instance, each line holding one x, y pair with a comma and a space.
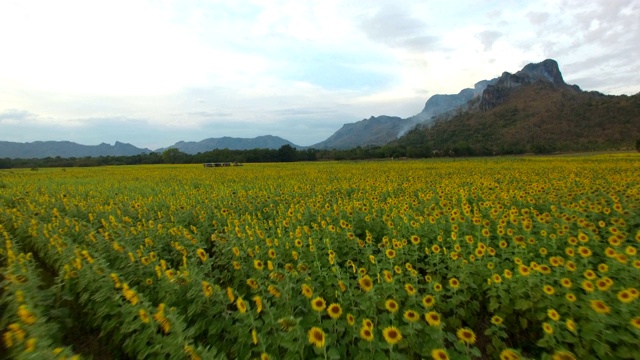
285, 153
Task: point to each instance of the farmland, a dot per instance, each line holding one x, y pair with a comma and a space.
506, 258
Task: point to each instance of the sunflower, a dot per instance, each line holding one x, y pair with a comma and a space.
258, 264
563, 355
392, 335
365, 283
566, 283
351, 319
241, 305
253, 284
547, 328
265, 356
367, 323
391, 306
144, 316
625, 296
316, 337
548, 289
258, 301
318, 304
366, 333
306, 291
433, 318
437, 287
584, 251
507, 273
509, 354
207, 289
411, 316
588, 286
387, 276
571, 297
274, 291
334, 311
603, 268
553, 314
342, 286
454, 283
230, 295
496, 320
635, 322
390, 253
600, 307
439, 354
466, 335
202, 255
496, 278
409, 289
571, 325
524, 270
590, 274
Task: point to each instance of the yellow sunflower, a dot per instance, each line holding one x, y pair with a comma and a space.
411, 316
316, 337
366, 284
392, 335
366, 333
318, 304
334, 311
466, 335
391, 306
439, 354
433, 318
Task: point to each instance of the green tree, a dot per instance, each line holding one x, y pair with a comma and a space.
638, 145
173, 156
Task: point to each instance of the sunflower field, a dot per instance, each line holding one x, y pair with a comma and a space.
494, 258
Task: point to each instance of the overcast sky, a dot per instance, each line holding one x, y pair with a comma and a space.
151, 73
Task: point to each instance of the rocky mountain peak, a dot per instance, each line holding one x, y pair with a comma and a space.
546, 71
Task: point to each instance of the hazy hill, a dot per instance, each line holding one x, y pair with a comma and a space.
65, 149
231, 143
376, 130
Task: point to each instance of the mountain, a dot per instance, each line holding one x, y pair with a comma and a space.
376, 130
379, 130
65, 149
484, 96
231, 143
533, 111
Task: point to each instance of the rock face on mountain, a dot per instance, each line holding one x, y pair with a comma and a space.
546, 72
376, 130
439, 104
231, 143
65, 149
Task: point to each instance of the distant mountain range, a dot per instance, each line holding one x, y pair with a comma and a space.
65, 149
530, 110
231, 143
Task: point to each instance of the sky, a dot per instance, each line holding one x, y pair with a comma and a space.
154, 72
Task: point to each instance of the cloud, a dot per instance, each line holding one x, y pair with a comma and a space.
394, 26
488, 37
16, 115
